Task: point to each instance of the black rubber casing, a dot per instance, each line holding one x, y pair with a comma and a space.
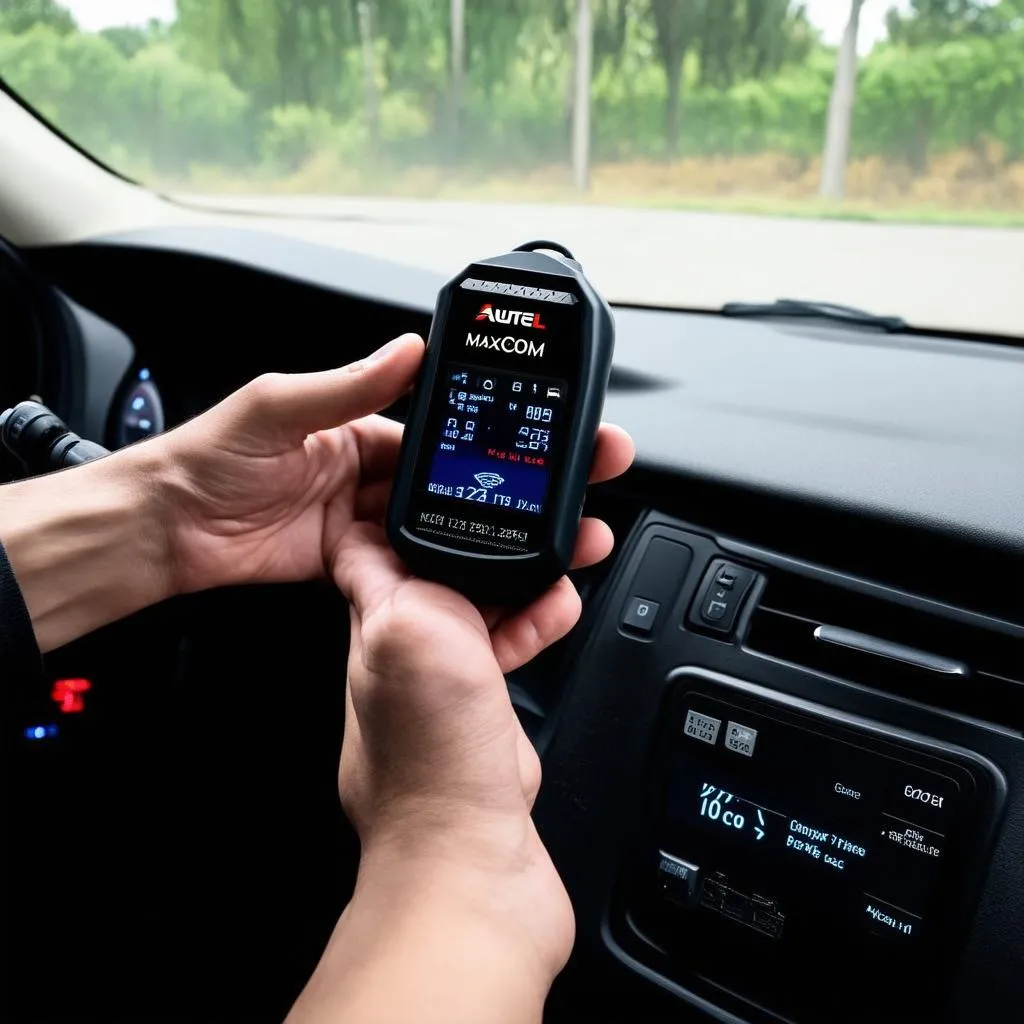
510, 579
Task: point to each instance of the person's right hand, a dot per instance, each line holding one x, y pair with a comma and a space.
434, 758
439, 779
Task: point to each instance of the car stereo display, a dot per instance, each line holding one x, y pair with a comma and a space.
805, 860
865, 832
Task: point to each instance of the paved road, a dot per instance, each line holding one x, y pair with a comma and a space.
934, 276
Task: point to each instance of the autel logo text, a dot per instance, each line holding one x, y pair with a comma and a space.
510, 316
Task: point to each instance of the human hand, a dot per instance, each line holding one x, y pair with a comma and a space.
436, 773
262, 486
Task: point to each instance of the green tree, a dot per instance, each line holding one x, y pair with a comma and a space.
18, 16
674, 24
130, 39
935, 21
279, 51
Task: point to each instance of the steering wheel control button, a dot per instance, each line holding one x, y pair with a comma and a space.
701, 727
678, 880
720, 597
740, 738
640, 615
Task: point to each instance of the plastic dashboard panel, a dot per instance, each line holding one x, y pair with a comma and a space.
597, 757
920, 431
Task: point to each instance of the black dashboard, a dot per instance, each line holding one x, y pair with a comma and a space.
782, 751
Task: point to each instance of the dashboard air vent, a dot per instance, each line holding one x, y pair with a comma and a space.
924, 651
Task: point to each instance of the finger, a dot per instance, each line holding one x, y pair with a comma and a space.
594, 543
529, 767
613, 453
296, 404
378, 441
365, 567
372, 501
524, 634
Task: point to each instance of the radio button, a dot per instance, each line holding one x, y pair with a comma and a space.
720, 597
849, 792
922, 796
702, 727
889, 921
678, 880
918, 841
639, 615
740, 738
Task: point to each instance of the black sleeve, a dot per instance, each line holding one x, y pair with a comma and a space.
20, 661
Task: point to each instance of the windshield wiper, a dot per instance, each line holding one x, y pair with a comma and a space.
817, 311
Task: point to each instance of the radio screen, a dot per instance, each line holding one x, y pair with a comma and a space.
496, 443
829, 829
807, 859
867, 833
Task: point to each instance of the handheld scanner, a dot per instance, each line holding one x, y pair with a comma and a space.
500, 436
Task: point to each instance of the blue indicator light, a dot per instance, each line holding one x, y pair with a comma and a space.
138, 403
40, 732
144, 374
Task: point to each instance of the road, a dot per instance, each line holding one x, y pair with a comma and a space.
934, 276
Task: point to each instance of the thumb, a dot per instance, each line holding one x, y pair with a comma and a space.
297, 404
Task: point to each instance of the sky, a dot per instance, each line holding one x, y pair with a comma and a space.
828, 15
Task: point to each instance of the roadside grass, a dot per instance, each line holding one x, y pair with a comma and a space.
965, 187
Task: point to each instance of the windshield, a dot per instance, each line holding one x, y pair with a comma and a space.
692, 152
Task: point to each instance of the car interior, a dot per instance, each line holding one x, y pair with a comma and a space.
782, 751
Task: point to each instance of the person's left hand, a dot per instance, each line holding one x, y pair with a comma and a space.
263, 486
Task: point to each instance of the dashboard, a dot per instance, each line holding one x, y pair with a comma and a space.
782, 752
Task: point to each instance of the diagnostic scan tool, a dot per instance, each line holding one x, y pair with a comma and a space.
500, 435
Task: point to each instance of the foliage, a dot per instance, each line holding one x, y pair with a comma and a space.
157, 107
263, 87
21, 15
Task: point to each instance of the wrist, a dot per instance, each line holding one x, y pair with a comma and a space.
443, 941
89, 545
506, 893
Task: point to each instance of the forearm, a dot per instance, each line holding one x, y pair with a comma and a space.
431, 946
87, 545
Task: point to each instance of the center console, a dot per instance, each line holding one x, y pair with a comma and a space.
779, 793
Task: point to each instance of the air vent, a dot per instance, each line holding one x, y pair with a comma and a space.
920, 650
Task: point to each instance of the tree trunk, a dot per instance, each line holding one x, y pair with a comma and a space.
371, 100
581, 101
673, 105
840, 111
458, 69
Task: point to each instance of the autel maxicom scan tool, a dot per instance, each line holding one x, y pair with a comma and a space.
500, 434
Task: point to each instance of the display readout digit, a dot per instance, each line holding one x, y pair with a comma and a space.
498, 435
759, 824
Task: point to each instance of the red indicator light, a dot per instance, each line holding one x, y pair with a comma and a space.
67, 695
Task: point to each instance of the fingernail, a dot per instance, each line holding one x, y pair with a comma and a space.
387, 349
383, 351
